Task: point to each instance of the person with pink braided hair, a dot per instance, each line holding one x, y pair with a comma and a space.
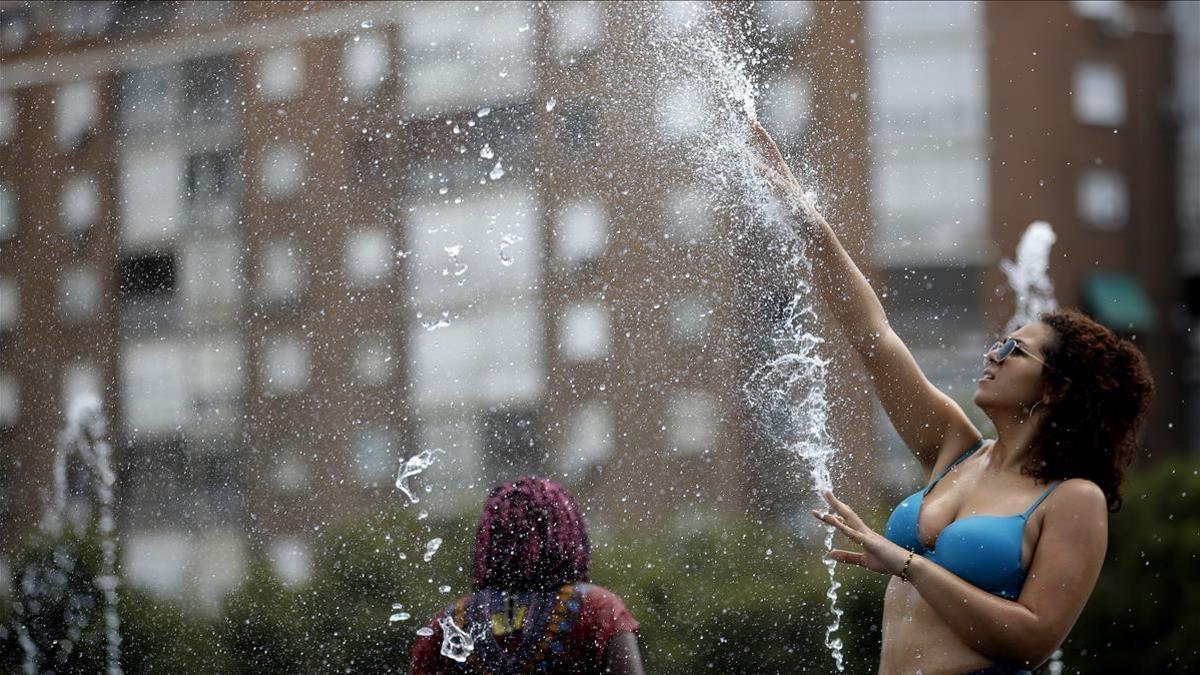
532, 608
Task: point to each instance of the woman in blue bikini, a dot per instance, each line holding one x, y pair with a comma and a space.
993, 561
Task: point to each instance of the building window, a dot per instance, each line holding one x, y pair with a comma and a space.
8, 117
511, 440
281, 73
158, 561
285, 365
10, 400
80, 204
588, 437
1099, 94
458, 55
578, 27
80, 293
209, 177
154, 387
292, 560
1100, 10
149, 99
786, 15
1102, 199
10, 304
681, 110
690, 317
85, 18
75, 113
15, 27
281, 272
681, 15
135, 17
373, 454
147, 275
364, 63
368, 257
291, 470
688, 214
8, 211
787, 104
490, 358
80, 381
217, 374
371, 157
151, 197
282, 170
373, 360
691, 422
585, 331
211, 271
582, 230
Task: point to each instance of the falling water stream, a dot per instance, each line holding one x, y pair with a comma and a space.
83, 437
788, 390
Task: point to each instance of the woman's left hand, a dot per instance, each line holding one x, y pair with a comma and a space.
878, 555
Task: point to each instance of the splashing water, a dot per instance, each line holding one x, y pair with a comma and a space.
457, 644
506, 243
83, 436
398, 613
413, 466
432, 547
788, 391
1029, 276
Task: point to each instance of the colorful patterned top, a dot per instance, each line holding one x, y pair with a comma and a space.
561, 631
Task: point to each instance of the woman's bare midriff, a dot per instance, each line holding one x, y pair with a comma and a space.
916, 640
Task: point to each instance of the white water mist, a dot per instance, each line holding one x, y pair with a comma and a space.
1029, 276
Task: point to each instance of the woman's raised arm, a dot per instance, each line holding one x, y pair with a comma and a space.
927, 419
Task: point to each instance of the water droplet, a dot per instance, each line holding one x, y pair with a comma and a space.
432, 547
413, 466
505, 243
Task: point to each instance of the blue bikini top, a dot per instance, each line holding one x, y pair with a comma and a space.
984, 550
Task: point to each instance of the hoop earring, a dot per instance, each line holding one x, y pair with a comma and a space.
1035, 406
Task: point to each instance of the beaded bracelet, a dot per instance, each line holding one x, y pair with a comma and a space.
904, 570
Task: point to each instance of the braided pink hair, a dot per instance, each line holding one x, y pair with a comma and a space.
531, 536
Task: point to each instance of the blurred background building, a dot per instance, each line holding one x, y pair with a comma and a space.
292, 244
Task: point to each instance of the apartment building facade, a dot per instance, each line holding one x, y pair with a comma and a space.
290, 245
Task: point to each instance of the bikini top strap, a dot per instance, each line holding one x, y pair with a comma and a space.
1041, 499
970, 451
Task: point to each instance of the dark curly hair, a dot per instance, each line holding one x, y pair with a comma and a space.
531, 536
1098, 390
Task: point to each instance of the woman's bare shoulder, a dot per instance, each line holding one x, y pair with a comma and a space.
1077, 498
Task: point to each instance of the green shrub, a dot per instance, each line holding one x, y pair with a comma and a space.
737, 597
1144, 615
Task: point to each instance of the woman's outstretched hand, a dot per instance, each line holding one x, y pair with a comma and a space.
878, 554
771, 166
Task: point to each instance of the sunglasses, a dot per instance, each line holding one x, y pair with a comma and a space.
1002, 349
